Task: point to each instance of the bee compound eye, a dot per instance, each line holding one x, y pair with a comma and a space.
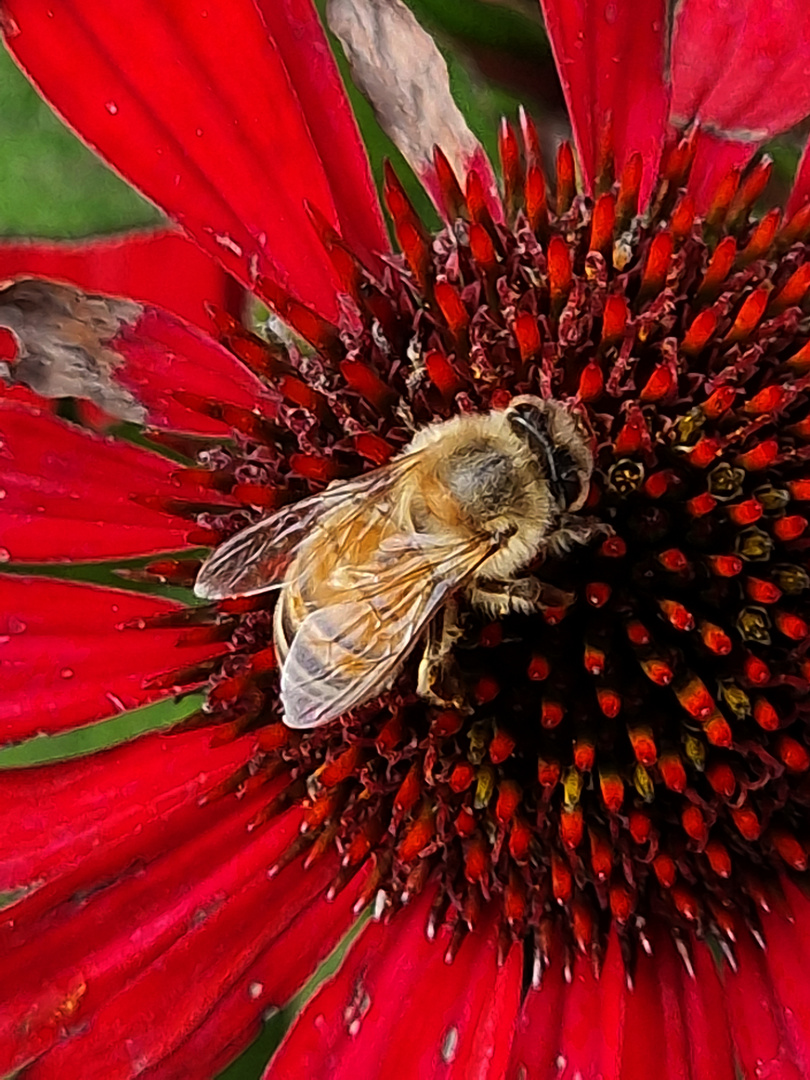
564, 480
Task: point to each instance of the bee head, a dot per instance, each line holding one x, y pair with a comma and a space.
550, 431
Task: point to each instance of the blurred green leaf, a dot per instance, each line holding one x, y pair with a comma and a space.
51, 185
493, 26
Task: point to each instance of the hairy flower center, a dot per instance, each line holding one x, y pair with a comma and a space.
639, 750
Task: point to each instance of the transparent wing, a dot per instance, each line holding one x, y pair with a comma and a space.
347, 653
255, 559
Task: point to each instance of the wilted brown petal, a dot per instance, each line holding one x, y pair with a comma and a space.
404, 76
63, 343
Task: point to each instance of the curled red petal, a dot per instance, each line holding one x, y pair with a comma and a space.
612, 61
740, 70
72, 654
164, 357
70, 494
362, 1022
198, 108
161, 267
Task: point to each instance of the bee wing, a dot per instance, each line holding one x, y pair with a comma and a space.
344, 654
255, 559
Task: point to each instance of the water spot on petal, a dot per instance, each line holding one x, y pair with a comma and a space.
5, 555
111, 108
67, 673
254, 990
15, 625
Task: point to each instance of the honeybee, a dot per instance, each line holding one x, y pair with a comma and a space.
364, 566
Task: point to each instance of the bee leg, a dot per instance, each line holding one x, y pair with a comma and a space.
574, 529
522, 596
439, 679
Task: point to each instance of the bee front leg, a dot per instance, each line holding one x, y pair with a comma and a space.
574, 529
521, 596
439, 679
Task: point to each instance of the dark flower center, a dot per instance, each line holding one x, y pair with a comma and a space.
639, 749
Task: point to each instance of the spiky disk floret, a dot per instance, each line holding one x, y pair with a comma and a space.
642, 751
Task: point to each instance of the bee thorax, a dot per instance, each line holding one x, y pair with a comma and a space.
483, 481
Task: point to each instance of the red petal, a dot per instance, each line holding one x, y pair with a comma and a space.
800, 192
271, 980
68, 494
143, 962
211, 112
740, 69
654, 1020
612, 64
66, 658
715, 157
371, 1018
535, 1049
661, 1010
599, 1028
296, 33
66, 827
757, 1019
593, 1019
163, 355
788, 962
151, 1016
709, 1038
568, 1031
161, 267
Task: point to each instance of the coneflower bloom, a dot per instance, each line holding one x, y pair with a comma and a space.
600, 867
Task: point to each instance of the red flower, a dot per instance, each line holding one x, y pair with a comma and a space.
161, 895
